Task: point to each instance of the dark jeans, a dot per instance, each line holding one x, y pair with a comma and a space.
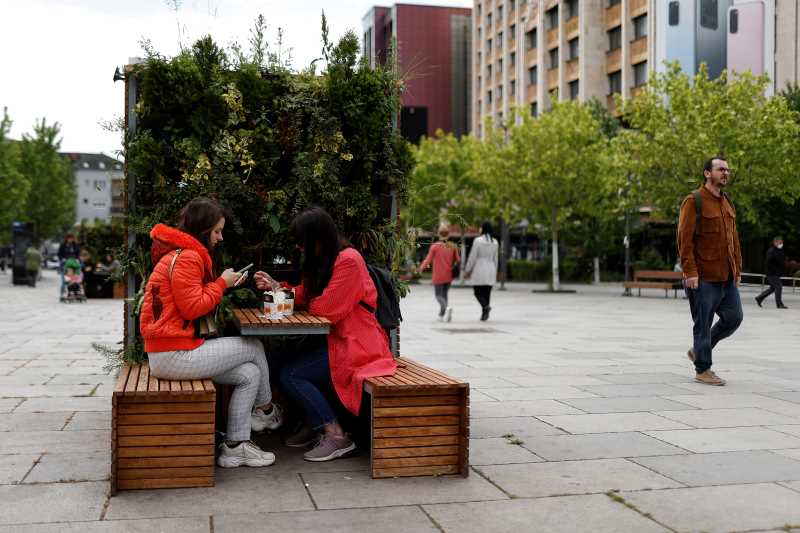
774, 286
483, 294
304, 378
440, 291
708, 299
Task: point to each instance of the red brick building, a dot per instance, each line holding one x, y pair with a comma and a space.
434, 47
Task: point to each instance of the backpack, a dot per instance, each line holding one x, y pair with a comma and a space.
388, 304
698, 212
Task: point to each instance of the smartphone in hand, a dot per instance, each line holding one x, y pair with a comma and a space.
242, 274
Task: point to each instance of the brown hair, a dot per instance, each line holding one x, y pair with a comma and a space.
198, 218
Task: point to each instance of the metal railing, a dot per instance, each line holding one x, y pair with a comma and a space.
763, 277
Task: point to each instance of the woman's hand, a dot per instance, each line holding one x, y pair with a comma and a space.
264, 281
230, 276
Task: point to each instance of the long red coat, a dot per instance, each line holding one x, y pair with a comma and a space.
358, 347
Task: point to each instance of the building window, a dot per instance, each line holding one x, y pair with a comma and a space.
499, 92
489, 21
512, 89
489, 96
500, 38
615, 82
574, 88
489, 46
708, 14
613, 2
480, 33
511, 5
480, 58
500, 66
533, 76
553, 58
640, 74
99, 185
615, 38
478, 9
574, 48
500, 13
489, 73
500, 117
85, 164
552, 18
101, 165
531, 38
572, 8
480, 81
512, 31
534, 109
480, 105
512, 59
640, 26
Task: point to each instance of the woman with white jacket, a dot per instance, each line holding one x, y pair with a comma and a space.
482, 267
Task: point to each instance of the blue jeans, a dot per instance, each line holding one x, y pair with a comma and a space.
304, 377
710, 298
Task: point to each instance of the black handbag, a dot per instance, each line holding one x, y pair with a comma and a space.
205, 327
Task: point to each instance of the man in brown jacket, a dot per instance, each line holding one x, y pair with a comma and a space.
712, 265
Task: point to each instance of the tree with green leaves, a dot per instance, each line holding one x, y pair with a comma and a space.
14, 185
50, 203
555, 167
681, 121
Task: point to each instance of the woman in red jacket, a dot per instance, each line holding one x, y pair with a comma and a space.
182, 288
335, 285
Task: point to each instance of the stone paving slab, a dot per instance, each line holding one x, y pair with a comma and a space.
46, 405
89, 420
238, 491
165, 525
57, 502
357, 489
793, 396
628, 404
727, 439
725, 468
14, 467
8, 404
643, 377
611, 422
536, 393
638, 389
527, 408
500, 451
34, 421
725, 418
61, 467
384, 519
564, 514
534, 480
518, 426
721, 509
54, 441
598, 446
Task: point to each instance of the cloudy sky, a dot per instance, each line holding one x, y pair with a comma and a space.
57, 57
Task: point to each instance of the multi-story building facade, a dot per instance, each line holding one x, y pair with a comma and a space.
529, 51
433, 56
99, 183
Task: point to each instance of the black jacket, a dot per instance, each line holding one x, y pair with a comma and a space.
69, 249
776, 262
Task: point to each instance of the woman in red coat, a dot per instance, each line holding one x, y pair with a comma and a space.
443, 256
182, 288
335, 282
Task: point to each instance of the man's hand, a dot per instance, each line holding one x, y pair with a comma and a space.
692, 283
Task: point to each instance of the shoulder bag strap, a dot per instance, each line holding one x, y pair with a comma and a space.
172, 263
698, 212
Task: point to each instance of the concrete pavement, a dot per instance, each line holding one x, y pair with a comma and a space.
584, 416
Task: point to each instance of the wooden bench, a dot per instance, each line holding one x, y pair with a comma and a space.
665, 279
162, 431
419, 423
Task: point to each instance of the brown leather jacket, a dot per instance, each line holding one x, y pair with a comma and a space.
714, 254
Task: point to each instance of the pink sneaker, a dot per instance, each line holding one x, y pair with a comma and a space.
330, 447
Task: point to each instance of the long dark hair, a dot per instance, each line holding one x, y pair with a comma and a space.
486, 229
198, 218
316, 233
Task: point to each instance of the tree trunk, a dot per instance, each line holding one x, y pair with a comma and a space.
554, 230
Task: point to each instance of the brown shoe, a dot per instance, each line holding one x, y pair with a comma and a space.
709, 378
690, 353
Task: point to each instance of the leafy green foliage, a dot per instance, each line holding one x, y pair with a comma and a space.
13, 183
100, 238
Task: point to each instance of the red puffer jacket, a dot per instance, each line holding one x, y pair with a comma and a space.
170, 305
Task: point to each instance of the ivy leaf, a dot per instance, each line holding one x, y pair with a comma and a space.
274, 223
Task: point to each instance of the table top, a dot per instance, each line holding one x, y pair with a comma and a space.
250, 322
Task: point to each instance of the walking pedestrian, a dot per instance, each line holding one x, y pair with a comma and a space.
33, 262
711, 257
774, 268
443, 257
482, 268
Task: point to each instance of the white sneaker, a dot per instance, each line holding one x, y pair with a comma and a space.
259, 420
440, 318
448, 314
245, 454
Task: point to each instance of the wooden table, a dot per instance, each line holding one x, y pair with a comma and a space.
251, 322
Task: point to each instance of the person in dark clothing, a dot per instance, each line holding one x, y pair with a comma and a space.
68, 248
774, 268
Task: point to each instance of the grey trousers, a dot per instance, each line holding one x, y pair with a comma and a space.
236, 361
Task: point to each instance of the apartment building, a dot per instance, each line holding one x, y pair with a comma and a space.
99, 183
529, 51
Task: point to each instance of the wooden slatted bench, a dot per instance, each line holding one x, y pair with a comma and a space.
419, 423
162, 431
665, 279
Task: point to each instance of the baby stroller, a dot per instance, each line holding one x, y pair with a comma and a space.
72, 282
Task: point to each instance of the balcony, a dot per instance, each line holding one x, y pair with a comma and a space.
533, 20
512, 43
613, 16
636, 91
636, 8
573, 69
551, 40
572, 27
552, 79
638, 50
614, 60
530, 93
531, 57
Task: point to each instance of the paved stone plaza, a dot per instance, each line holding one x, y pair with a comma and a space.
584, 417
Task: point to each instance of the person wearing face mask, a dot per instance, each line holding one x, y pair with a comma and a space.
774, 267
184, 287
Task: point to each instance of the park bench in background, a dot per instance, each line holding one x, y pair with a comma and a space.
656, 279
419, 423
162, 431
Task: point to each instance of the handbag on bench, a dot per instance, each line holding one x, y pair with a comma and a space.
205, 327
